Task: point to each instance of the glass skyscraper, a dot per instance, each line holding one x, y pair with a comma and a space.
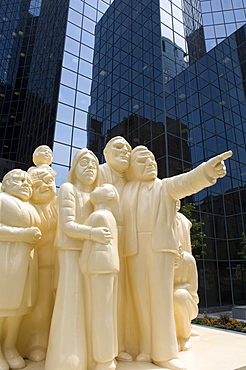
161, 73
221, 18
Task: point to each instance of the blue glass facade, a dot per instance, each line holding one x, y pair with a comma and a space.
30, 75
208, 100
221, 18
74, 73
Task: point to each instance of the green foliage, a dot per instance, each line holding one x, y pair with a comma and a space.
242, 253
224, 318
197, 234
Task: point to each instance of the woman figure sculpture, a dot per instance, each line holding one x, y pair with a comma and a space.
67, 347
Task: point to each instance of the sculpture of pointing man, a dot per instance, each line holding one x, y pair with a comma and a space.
151, 243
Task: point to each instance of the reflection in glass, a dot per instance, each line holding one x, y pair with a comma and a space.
80, 119
71, 46
61, 174
65, 113
79, 138
63, 133
66, 95
68, 78
61, 154
70, 61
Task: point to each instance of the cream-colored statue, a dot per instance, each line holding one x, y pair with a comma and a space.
184, 227
18, 235
117, 156
34, 332
185, 297
67, 343
151, 243
42, 156
100, 264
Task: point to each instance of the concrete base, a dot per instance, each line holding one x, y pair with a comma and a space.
214, 349
239, 312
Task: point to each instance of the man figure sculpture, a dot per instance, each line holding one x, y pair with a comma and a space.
117, 154
18, 235
151, 243
185, 297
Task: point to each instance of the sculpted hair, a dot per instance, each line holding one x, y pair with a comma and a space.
9, 175
37, 172
71, 177
111, 141
114, 200
136, 150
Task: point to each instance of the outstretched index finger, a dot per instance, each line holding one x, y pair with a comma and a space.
221, 157
225, 155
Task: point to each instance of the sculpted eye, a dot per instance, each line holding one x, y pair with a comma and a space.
83, 162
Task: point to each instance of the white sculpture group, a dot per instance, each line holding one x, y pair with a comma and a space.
113, 278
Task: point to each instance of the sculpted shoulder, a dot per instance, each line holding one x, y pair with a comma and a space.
189, 257
6, 198
66, 187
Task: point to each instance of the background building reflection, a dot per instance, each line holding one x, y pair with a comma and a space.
168, 74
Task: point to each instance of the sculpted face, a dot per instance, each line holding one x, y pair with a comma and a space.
86, 169
117, 154
44, 188
42, 155
19, 185
144, 166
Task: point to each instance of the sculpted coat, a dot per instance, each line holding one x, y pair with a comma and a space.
15, 216
150, 230
100, 265
164, 194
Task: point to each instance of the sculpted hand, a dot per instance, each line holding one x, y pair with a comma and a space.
101, 235
32, 235
215, 167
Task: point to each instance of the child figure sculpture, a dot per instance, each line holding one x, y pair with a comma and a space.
42, 156
100, 265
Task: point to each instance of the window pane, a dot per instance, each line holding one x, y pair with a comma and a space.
82, 101
79, 138
61, 174
85, 68
74, 17
70, 61
68, 78
61, 154
84, 84
65, 113
80, 119
66, 95
73, 31
63, 133
71, 46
